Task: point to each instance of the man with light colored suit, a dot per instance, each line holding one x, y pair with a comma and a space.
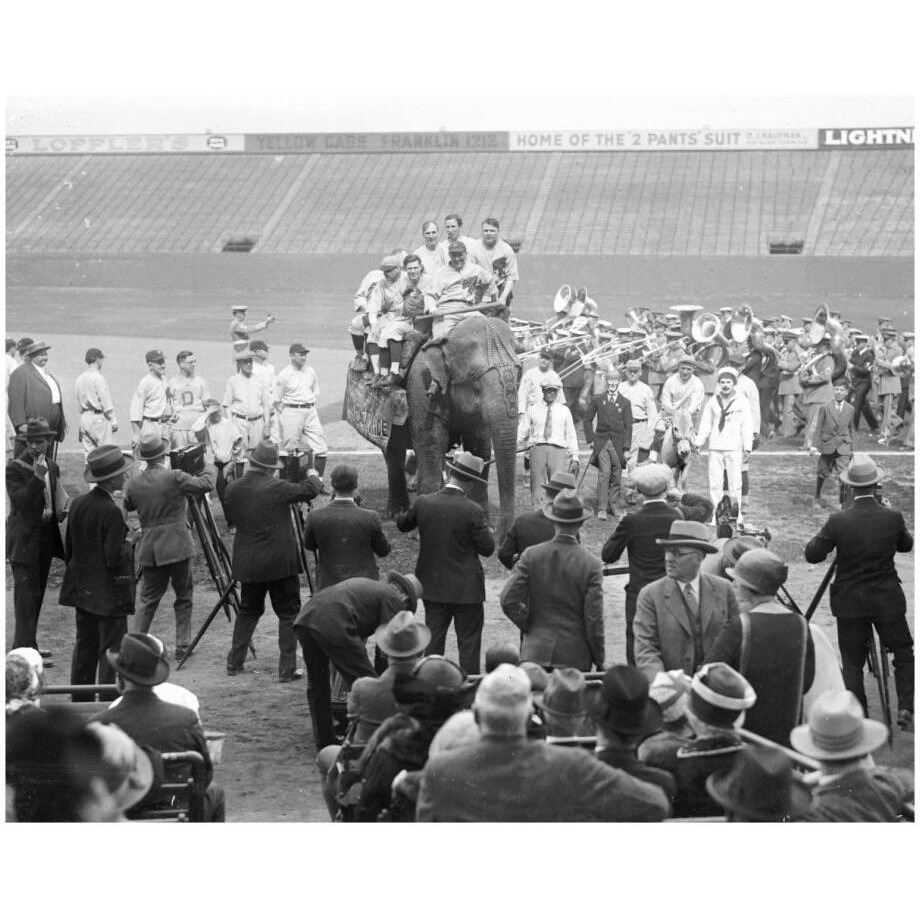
679, 617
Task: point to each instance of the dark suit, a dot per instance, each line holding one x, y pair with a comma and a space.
867, 590
99, 582
528, 529
33, 538
861, 360
28, 396
624, 758
556, 596
334, 626
762, 366
611, 440
833, 437
636, 533
265, 559
665, 636
348, 539
166, 728
453, 534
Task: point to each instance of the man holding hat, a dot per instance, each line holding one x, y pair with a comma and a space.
333, 628
851, 788
151, 409
265, 556
637, 533
453, 534
99, 578
296, 392
97, 411
33, 392
683, 390
555, 594
248, 402
610, 442
504, 776
140, 664
548, 430
160, 497
768, 643
240, 330
379, 292
866, 590
644, 411
37, 503
679, 617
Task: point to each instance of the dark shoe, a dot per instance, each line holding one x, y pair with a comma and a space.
47, 663
906, 720
182, 651
297, 674
232, 672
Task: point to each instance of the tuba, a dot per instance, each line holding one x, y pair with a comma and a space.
710, 347
686, 313
741, 322
562, 299
819, 324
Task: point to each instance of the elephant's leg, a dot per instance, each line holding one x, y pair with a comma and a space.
478, 441
430, 440
395, 457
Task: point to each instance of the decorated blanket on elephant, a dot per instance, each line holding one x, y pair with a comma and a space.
371, 412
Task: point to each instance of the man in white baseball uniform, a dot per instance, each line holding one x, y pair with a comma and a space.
187, 392
151, 410
248, 402
97, 411
379, 292
296, 392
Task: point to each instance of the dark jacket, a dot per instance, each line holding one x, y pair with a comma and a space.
29, 396
453, 534
614, 423
528, 529
861, 360
265, 548
636, 533
866, 537
347, 539
762, 366
99, 577
878, 795
834, 430
352, 609
25, 528
695, 761
624, 758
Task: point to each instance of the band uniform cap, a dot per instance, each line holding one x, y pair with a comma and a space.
790, 333
557, 482
760, 784
467, 465
507, 687
684, 358
243, 354
121, 753
727, 372
623, 704
240, 307
861, 335
387, 263
567, 508
36, 428
152, 447
909, 335
456, 246
837, 729
298, 349
402, 637
652, 478
862, 471
155, 356
550, 385
408, 584
719, 695
673, 334
34, 348
93, 354
760, 570
546, 353
265, 455
565, 693
688, 533
104, 462
141, 658
633, 365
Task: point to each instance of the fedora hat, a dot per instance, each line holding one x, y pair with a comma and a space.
719, 695
564, 694
623, 704
735, 547
760, 785
862, 471
467, 465
536, 674
265, 454
34, 348
760, 570
837, 729
131, 765
567, 508
36, 428
688, 533
408, 584
140, 659
152, 447
402, 637
557, 482
104, 462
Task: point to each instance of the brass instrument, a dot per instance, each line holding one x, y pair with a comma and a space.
562, 299
710, 345
741, 323
686, 313
819, 324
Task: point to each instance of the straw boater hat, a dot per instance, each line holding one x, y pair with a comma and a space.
408, 584
141, 659
34, 348
567, 508
837, 729
468, 466
104, 462
862, 471
760, 784
402, 637
688, 533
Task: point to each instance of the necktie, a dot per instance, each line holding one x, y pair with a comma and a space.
724, 407
548, 427
691, 599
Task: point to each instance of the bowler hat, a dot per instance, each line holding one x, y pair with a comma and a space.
652, 479
862, 471
34, 348
104, 462
565, 693
468, 466
719, 695
152, 447
837, 729
688, 533
557, 482
140, 659
402, 637
440, 672
623, 704
760, 784
760, 570
265, 454
567, 508
408, 584
36, 428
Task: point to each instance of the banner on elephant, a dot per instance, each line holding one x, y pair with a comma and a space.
372, 413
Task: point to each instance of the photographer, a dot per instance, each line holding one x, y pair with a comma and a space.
159, 496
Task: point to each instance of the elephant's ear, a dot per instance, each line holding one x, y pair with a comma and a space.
477, 344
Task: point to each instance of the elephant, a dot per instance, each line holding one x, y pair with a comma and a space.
463, 390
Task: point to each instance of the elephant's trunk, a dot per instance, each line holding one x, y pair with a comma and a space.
504, 445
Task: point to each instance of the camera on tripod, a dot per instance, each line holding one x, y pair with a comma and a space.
296, 465
188, 459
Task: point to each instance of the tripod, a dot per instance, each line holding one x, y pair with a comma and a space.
291, 472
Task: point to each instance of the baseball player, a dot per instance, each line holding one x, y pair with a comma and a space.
97, 411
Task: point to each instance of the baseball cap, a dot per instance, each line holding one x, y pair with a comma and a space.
258, 345
93, 354
456, 246
298, 349
156, 356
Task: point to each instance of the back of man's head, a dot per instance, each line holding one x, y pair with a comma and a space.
344, 479
503, 702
